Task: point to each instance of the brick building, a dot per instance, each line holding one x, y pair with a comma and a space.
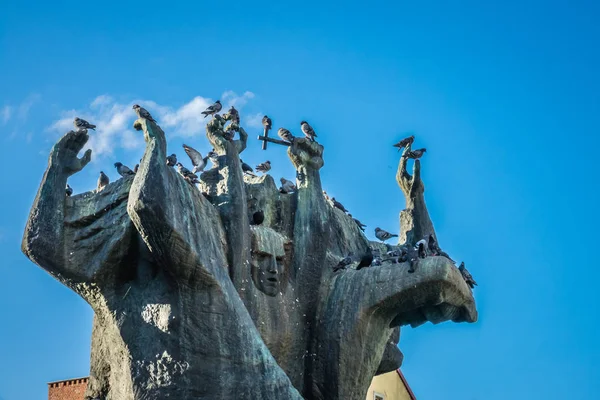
71, 389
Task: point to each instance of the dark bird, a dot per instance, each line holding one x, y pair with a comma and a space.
198, 161
287, 186
172, 160
82, 124
308, 131
361, 226
405, 142
285, 135
264, 167
234, 115
338, 205
412, 257
212, 110
344, 262
187, 174
247, 169
69, 190
258, 217
383, 235
103, 180
432, 244
142, 113
366, 260
267, 123
415, 154
467, 276
123, 170
421, 247
135, 169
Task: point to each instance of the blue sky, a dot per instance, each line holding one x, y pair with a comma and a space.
505, 97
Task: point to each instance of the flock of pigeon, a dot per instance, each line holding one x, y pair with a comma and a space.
199, 162
423, 248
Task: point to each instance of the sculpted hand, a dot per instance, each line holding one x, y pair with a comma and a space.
65, 151
304, 152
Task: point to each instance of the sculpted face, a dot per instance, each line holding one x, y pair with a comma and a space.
268, 260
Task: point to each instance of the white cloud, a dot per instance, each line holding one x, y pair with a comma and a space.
5, 114
254, 121
114, 120
26, 105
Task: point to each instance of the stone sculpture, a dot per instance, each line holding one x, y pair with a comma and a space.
193, 299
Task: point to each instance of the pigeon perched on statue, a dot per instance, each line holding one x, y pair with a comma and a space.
285, 135
82, 124
366, 260
421, 247
264, 167
68, 190
338, 205
136, 168
198, 161
123, 170
187, 174
383, 235
247, 169
287, 186
467, 276
435, 250
103, 180
267, 123
361, 226
415, 154
172, 160
344, 262
233, 115
405, 142
308, 131
143, 113
213, 109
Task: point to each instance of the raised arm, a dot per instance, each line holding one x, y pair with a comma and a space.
44, 237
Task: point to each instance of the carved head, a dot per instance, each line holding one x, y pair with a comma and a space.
270, 255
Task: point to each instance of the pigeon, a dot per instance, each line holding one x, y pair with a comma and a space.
344, 262
198, 161
338, 205
287, 186
234, 115
187, 174
432, 244
135, 169
285, 135
267, 124
383, 235
308, 131
82, 124
69, 190
143, 113
467, 276
258, 217
246, 168
172, 160
377, 261
212, 110
103, 180
123, 170
415, 154
421, 247
412, 257
361, 226
264, 167
405, 142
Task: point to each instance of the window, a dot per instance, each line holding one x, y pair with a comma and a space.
378, 396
